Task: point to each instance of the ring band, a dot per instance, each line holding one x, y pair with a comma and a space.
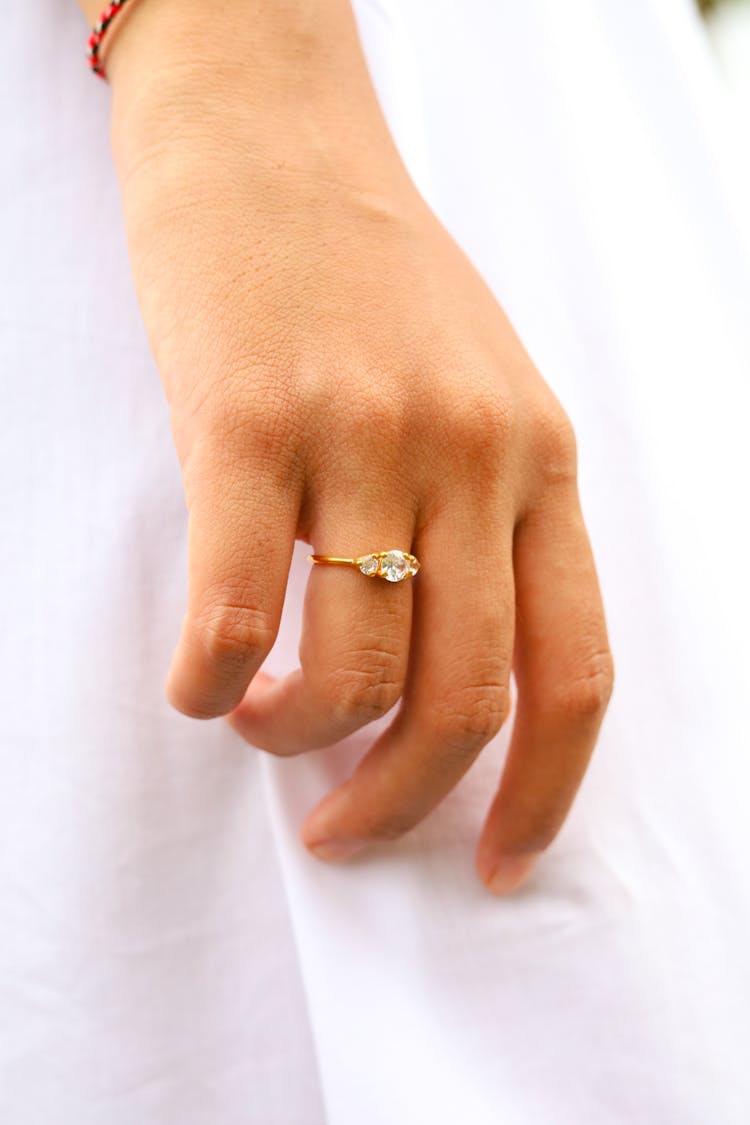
394, 566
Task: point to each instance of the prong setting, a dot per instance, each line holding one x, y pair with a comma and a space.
393, 565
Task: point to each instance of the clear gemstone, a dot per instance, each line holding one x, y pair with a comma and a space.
369, 564
413, 567
394, 566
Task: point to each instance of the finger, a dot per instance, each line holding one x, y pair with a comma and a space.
457, 690
241, 527
355, 638
564, 672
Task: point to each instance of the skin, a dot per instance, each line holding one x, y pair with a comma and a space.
338, 372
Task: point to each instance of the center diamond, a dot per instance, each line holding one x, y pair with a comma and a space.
394, 566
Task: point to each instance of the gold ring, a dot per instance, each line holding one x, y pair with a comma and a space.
394, 566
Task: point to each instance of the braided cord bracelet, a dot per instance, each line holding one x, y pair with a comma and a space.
98, 31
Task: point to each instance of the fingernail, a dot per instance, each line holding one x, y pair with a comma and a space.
336, 849
510, 872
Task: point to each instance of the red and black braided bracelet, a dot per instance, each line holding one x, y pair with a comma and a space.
98, 31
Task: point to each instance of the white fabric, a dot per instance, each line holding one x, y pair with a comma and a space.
170, 954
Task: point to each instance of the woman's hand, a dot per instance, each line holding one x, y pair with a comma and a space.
337, 371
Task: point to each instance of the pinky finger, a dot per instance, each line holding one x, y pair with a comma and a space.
564, 673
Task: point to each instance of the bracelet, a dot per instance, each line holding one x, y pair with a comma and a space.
98, 31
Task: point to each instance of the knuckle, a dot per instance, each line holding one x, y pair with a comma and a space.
231, 422
587, 695
231, 630
555, 443
369, 411
481, 423
466, 722
238, 424
363, 694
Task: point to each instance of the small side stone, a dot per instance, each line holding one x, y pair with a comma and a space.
369, 564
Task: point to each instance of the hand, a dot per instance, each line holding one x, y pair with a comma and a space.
338, 372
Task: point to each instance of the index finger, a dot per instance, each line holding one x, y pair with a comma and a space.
241, 532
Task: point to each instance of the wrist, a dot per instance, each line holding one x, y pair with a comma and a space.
289, 86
